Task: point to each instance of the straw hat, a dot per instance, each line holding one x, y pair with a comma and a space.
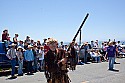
85, 43
29, 46
13, 44
110, 43
42, 47
52, 40
19, 47
34, 45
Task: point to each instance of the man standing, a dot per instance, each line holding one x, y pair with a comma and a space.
11, 54
86, 52
29, 57
111, 51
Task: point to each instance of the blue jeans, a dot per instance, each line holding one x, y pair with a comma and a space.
13, 64
41, 64
111, 62
20, 69
97, 58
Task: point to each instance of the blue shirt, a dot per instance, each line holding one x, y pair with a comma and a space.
111, 50
28, 55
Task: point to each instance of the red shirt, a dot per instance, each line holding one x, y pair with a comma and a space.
4, 37
46, 48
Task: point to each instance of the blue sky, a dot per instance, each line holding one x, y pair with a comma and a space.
61, 19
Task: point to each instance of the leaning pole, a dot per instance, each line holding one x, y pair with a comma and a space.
79, 29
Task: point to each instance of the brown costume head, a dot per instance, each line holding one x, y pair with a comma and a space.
52, 43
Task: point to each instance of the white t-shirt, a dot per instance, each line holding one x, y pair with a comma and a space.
41, 54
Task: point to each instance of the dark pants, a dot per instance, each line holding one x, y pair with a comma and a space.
35, 68
85, 57
13, 64
29, 66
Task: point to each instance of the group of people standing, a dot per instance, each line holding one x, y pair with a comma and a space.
108, 51
31, 57
28, 54
48, 56
52, 57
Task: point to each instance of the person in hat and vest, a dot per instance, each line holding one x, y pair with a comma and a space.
11, 54
54, 61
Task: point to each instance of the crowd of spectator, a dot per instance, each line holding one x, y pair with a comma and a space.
30, 53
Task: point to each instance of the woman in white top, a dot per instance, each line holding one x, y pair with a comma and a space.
41, 57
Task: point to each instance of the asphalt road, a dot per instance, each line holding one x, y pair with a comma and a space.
87, 73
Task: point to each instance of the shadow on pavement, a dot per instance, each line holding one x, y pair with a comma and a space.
11, 78
116, 63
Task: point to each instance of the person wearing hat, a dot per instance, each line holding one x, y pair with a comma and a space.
20, 60
35, 53
111, 55
21, 44
41, 57
54, 60
29, 58
11, 54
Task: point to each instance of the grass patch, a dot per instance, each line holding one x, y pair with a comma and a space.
5, 69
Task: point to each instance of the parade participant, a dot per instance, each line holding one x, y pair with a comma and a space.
11, 54
54, 60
